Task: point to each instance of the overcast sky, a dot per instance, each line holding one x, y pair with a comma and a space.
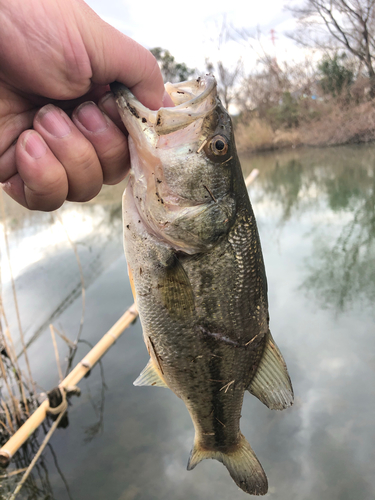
190, 29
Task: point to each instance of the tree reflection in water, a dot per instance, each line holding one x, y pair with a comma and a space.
341, 267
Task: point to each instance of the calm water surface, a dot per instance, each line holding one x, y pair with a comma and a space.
316, 216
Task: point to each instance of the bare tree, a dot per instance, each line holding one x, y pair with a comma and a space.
264, 87
348, 24
226, 76
226, 80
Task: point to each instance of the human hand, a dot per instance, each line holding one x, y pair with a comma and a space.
56, 58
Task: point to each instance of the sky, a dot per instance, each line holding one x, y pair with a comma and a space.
190, 29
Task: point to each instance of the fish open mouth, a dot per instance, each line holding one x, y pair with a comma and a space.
193, 100
167, 151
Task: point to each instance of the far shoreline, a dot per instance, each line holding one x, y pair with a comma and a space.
352, 125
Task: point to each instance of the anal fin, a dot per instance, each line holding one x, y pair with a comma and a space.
242, 465
271, 383
150, 376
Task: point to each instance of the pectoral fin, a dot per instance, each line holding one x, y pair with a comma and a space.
271, 383
150, 376
175, 289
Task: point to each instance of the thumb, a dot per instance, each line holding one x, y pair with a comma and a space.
116, 57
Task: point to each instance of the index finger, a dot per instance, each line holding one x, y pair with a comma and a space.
116, 57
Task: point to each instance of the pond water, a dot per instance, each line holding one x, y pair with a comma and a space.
315, 210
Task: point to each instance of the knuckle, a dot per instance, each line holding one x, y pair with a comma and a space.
115, 163
84, 158
114, 153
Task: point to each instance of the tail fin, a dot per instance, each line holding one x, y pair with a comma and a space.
242, 465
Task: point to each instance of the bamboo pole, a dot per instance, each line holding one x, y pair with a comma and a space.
251, 177
32, 423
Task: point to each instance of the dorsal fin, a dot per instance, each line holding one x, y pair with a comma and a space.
150, 376
271, 383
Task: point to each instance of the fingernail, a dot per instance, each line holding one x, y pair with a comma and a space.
108, 104
34, 145
53, 121
90, 116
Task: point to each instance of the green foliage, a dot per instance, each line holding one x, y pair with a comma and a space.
286, 113
335, 76
171, 70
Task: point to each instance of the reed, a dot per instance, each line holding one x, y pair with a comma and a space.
22, 338
18, 391
19, 398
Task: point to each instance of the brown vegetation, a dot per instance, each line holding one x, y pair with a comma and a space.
330, 101
258, 135
336, 124
354, 124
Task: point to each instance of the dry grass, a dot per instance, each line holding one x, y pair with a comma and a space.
341, 125
257, 135
337, 124
254, 136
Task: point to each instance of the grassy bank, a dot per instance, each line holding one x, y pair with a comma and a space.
335, 124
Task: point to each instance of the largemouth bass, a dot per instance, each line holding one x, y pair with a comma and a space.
197, 273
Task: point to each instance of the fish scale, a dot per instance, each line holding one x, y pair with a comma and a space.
196, 263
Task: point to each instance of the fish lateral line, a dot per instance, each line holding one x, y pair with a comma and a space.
226, 340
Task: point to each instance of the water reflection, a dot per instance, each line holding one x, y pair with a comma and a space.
337, 184
315, 211
343, 271
285, 185
38, 485
42, 253
98, 406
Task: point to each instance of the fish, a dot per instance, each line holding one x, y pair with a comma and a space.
197, 273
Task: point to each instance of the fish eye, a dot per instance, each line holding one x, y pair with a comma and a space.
219, 145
